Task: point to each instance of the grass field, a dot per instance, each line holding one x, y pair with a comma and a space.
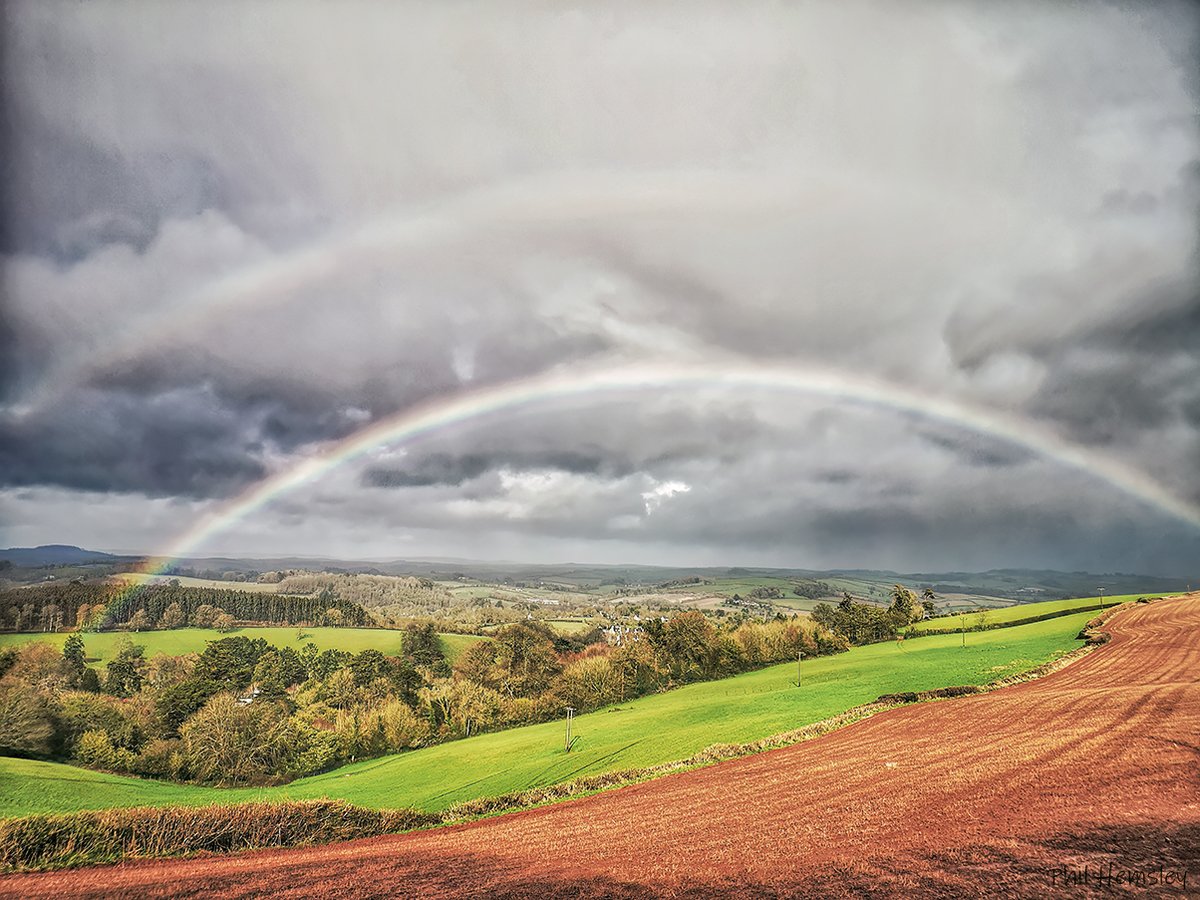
101, 647
993, 617
742, 585
643, 732
569, 626
796, 604
473, 591
563, 626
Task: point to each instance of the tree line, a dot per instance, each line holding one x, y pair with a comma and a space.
104, 605
866, 623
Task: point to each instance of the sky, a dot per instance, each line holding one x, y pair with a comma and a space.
237, 234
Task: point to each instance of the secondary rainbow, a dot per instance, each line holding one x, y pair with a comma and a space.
557, 199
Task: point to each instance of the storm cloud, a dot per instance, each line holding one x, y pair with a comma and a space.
234, 234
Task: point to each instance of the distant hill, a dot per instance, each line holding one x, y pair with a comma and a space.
1017, 585
55, 555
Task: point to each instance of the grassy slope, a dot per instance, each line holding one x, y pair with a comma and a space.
651, 730
100, 648
29, 786
1016, 613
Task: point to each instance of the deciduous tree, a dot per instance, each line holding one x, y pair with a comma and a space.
26, 726
124, 673
172, 616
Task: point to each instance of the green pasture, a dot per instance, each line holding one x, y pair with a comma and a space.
100, 647
993, 617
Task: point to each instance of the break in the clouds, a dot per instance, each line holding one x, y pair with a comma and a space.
232, 234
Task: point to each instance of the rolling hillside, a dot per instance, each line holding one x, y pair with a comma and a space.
643, 732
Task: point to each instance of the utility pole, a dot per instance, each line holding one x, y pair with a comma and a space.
570, 716
799, 656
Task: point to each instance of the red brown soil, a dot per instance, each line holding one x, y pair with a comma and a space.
1097, 765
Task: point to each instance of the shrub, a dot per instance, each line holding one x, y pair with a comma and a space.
42, 667
160, 758
95, 749
402, 727
319, 751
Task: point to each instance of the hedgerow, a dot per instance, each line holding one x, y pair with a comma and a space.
89, 838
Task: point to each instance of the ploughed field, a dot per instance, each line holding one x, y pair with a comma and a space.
1010, 793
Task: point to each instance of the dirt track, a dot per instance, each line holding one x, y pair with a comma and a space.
990, 795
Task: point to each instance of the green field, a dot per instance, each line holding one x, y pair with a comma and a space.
474, 591
570, 626
741, 585
101, 647
655, 729
796, 604
993, 617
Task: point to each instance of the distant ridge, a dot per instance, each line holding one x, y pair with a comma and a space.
999, 583
55, 555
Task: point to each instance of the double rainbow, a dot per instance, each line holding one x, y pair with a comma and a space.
443, 412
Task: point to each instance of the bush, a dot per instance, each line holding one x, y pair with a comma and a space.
160, 758
95, 749
901, 697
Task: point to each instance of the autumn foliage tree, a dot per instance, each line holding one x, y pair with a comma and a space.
228, 742
519, 662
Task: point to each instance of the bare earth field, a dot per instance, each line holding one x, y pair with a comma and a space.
1011, 793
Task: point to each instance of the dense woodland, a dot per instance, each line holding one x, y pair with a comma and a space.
244, 712
97, 606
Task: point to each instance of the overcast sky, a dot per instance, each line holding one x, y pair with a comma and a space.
234, 233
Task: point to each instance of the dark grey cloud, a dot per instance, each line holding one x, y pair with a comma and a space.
1142, 378
992, 202
1175, 329
180, 444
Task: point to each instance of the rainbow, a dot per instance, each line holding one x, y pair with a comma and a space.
443, 412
